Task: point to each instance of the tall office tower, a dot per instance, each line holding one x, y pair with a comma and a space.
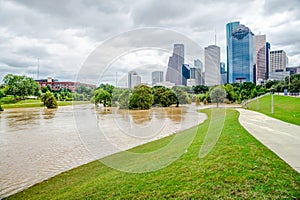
157, 77
186, 73
199, 75
174, 71
268, 47
278, 61
133, 79
223, 72
230, 27
241, 55
261, 58
212, 65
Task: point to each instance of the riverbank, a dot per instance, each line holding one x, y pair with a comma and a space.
238, 167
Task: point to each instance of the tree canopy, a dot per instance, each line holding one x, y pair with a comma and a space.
21, 85
141, 98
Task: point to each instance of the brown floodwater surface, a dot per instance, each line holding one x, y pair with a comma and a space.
37, 143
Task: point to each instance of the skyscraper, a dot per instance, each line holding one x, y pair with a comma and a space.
186, 73
230, 27
241, 55
223, 72
278, 61
199, 72
133, 79
174, 71
212, 65
261, 58
157, 77
268, 47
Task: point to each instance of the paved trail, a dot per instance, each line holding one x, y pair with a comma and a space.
281, 137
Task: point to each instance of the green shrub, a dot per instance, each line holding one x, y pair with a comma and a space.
49, 100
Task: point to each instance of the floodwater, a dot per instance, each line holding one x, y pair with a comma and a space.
37, 143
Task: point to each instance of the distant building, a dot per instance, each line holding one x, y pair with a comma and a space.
199, 72
280, 75
133, 79
58, 85
293, 70
241, 53
261, 58
268, 50
212, 65
223, 72
230, 27
278, 61
186, 73
174, 71
157, 76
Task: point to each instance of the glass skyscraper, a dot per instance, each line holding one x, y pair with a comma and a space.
174, 71
241, 54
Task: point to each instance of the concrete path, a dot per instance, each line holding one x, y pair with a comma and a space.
281, 137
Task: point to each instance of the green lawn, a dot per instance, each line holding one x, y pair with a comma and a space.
10, 102
285, 108
238, 167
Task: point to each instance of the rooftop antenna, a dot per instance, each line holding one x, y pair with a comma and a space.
38, 68
215, 37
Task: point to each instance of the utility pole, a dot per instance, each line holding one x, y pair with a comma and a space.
38, 69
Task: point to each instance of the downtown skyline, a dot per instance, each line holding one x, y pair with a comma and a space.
62, 38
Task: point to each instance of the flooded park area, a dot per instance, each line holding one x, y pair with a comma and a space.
38, 143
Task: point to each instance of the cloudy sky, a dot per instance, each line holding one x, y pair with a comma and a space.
62, 34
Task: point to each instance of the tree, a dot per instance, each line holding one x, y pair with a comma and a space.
21, 85
218, 95
164, 97
102, 96
182, 96
123, 99
49, 100
230, 92
141, 98
200, 89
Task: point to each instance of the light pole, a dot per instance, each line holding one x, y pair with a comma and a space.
272, 101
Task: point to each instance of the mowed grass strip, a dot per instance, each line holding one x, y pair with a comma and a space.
285, 108
238, 167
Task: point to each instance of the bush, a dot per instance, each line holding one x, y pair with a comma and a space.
49, 100
1, 109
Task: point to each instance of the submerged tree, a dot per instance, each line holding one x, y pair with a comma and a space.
49, 100
141, 98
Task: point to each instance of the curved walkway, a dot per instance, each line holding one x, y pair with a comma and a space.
281, 137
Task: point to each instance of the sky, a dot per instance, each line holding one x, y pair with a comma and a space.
62, 35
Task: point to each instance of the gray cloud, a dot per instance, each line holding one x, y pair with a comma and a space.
63, 33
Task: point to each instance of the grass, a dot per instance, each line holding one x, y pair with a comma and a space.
285, 108
10, 102
238, 167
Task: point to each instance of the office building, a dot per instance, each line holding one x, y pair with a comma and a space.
157, 77
212, 65
278, 61
133, 79
223, 73
241, 55
261, 58
230, 27
174, 71
186, 73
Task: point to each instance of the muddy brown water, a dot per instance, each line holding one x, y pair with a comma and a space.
37, 143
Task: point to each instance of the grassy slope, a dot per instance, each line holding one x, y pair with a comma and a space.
285, 108
239, 167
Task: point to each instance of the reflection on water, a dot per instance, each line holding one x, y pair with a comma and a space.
37, 143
